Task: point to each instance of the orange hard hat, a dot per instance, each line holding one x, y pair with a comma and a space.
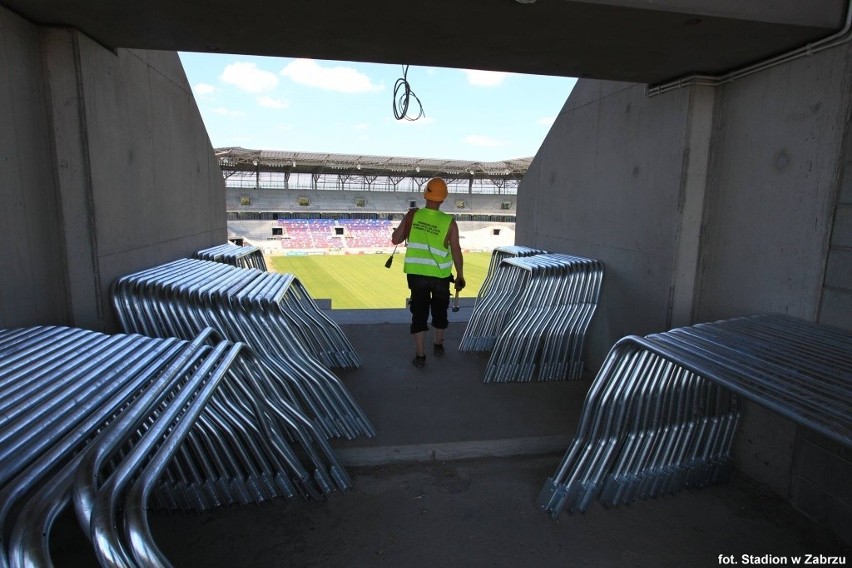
436, 190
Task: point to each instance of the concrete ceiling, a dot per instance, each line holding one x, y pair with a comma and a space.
643, 41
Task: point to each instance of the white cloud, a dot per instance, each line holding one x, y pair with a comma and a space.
487, 141
546, 120
228, 112
342, 79
360, 126
485, 78
269, 102
204, 89
248, 77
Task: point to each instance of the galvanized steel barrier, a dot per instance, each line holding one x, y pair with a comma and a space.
482, 330
245, 256
662, 411
534, 315
120, 423
146, 300
270, 312
497, 256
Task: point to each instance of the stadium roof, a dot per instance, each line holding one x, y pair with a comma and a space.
242, 159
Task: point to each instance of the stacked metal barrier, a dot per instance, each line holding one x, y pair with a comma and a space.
268, 311
662, 412
543, 335
281, 295
534, 316
121, 422
497, 256
243, 256
486, 318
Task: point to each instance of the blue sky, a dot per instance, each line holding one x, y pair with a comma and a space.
347, 108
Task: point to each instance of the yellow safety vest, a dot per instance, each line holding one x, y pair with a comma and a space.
425, 253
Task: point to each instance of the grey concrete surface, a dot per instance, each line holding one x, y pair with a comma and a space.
34, 290
444, 409
836, 300
769, 213
478, 513
607, 184
107, 169
628, 40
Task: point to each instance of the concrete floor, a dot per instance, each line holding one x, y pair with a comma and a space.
452, 478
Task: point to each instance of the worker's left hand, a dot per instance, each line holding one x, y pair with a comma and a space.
460, 283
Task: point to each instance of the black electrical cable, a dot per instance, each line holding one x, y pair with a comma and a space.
401, 94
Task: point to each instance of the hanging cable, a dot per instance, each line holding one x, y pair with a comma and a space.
402, 93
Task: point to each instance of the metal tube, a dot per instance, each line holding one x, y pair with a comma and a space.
679, 393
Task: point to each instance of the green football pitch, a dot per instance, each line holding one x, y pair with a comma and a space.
361, 281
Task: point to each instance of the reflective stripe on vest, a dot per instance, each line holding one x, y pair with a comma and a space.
432, 250
425, 253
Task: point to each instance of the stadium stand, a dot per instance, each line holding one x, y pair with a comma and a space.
338, 222
301, 203
257, 204
366, 233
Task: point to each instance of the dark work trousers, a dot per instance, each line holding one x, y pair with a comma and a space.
429, 294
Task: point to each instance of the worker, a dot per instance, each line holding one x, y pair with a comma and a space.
431, 253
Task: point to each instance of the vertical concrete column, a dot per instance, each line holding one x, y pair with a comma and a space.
33, 289
696, 158
835, 304
66, 100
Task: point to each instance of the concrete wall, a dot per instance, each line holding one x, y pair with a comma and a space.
707, 204
836, 301
34, 282
773, 188
111, 167
822, 468
606, 184
772, 195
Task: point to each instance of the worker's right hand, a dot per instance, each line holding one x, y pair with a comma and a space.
460, 283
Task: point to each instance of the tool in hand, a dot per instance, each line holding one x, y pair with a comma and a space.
390, 258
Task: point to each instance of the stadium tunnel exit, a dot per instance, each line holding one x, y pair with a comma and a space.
713, 181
